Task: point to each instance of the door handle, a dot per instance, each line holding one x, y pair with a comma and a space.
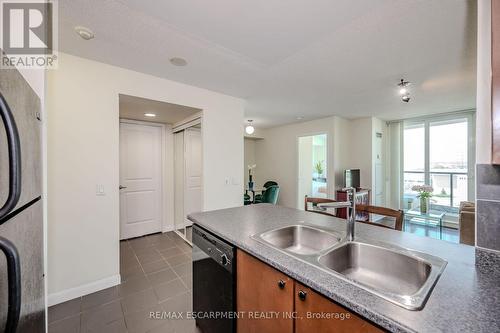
121, 187
14, 284
302, 295
14, 150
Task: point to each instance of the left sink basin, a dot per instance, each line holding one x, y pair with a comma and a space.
299, 239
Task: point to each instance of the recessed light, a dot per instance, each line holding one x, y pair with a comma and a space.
84, 32
151, 115
299, 118
176, 61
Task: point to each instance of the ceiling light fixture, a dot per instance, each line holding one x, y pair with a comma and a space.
151, 115
84, 32
249, 129
176, 61
300, 117
403, 90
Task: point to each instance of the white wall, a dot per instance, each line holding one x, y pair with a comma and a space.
352, 144
83, 141
483, 99
277, 154
361, 156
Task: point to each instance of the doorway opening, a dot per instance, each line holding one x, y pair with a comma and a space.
149, 194
312, 168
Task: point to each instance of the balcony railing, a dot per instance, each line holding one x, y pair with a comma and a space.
450, 188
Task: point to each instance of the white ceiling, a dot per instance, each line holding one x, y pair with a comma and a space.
295, 57
132, 107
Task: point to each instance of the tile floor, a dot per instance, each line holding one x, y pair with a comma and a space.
156, 276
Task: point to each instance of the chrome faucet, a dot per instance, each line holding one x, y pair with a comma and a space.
351, 205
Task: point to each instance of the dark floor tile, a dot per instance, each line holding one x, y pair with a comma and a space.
64, 310
100, 316
100, 298
166, 327
188, 280
139, 301
185, 247
67, 325
146, 251
130, 273
117, 326
141, 322
133, 285
140, 243
163, 276
178, 259
183, 269
180, 303
173, 251
165, 244
184, 326
150, 257
129, 262
155, 266
170, 289
158, 238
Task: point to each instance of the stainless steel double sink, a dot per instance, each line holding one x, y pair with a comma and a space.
402, 276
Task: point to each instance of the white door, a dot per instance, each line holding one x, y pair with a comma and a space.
193, 172
140, 177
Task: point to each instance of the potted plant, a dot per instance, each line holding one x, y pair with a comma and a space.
250, 177
319, 169
424, 194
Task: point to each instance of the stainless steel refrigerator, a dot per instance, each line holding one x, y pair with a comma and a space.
22, 296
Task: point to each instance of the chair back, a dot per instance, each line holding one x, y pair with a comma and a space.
384, 211
271, 194
270, 183
314, 202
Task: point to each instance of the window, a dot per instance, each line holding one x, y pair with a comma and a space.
438, 151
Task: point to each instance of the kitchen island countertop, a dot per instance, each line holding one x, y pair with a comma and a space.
464, 299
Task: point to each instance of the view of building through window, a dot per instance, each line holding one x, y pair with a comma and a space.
436, 154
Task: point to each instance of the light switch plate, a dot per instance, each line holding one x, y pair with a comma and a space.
100, 190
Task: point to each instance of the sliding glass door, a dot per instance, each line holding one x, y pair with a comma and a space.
439, 151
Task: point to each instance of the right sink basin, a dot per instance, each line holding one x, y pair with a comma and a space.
399, 275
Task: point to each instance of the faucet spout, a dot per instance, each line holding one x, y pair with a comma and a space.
351, 217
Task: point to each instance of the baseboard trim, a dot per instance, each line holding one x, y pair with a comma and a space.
89, 288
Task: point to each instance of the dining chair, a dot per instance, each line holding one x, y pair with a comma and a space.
314, 202
398, 215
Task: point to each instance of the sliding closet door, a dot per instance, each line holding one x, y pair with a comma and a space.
193, 172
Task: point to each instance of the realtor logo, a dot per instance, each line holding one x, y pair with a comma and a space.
28, 34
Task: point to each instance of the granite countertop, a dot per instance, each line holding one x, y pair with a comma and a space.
463, 300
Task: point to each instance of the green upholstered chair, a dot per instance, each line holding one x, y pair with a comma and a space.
246, 199
258, 197
270, 195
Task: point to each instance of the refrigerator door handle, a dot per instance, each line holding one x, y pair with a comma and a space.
14, 284
14, 149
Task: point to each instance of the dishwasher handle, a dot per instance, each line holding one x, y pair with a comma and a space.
14, 284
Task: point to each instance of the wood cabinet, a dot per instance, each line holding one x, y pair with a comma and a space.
291, 307
262, 291
316, 313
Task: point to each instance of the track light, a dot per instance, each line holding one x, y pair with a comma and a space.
403, 90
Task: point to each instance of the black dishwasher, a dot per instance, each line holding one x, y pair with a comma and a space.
214, 284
